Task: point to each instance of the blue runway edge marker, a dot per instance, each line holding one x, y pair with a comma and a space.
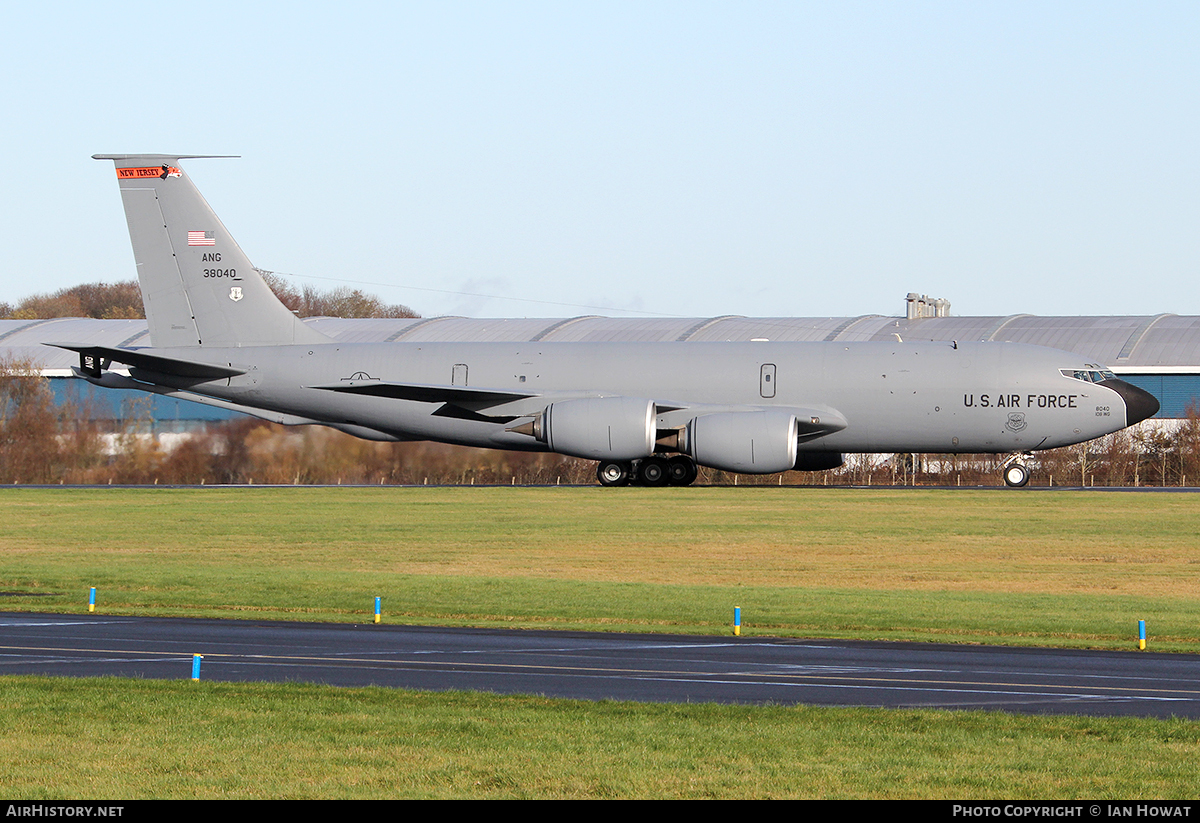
196, 666
1142, 635
92, 600
737, 621
376, 609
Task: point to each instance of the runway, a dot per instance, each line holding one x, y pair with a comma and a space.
592, 666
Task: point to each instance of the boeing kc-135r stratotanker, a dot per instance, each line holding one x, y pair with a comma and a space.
650, 413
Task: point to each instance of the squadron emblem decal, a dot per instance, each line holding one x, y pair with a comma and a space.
1016, 421
235, 293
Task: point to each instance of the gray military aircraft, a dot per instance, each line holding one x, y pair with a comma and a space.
650, 413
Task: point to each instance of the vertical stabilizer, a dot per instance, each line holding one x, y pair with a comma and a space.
198, 287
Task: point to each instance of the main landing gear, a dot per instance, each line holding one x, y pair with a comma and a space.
679, 470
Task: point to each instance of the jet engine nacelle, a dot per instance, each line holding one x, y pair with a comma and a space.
600, 428
760, 442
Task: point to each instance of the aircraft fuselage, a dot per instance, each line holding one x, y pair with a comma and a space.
927, 397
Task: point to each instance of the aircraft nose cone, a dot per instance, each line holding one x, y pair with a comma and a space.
1139, 403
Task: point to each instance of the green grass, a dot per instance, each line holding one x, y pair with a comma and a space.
1035, 568
104, 738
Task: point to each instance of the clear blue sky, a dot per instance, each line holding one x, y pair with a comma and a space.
683, 158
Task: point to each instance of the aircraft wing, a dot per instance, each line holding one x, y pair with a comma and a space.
466, 397
93, 359
812, 423
427, 393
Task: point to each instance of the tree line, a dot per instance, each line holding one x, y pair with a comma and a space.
123, 301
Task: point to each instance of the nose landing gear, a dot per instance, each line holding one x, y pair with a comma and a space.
1016, 474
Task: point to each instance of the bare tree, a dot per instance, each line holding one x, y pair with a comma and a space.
338, 302
28, 425
117, 301
105, 301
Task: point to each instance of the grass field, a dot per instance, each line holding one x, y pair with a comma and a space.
99, 738
1052, 568
1062, 568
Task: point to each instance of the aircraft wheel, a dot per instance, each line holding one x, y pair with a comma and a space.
612, 473
653, 472
681, 470
1016, 476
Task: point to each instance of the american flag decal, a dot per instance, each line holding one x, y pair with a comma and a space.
201, 238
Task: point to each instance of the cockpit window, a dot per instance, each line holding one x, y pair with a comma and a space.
1091, 374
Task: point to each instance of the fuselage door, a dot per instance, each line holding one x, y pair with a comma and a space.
766, 380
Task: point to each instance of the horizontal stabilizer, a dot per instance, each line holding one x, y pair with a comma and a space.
425, 393
164, 158
92, 356
108, 380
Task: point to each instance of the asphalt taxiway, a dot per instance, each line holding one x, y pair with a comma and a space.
592, 666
